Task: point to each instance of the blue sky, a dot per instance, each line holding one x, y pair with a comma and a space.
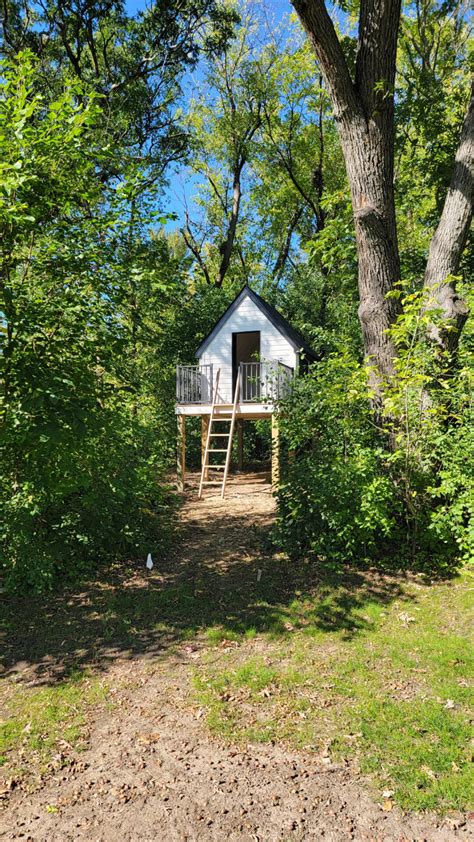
279, 7
181, 183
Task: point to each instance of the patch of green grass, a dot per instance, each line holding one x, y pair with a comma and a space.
423, 748
216, 634
39, 721
387, 687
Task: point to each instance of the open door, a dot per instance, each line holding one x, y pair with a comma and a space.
246, 349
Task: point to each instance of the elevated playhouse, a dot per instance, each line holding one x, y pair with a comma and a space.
246, 364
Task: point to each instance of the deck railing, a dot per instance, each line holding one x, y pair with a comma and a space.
194, 383
264, 381
259, 383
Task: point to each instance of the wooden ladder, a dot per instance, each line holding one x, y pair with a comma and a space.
217, 417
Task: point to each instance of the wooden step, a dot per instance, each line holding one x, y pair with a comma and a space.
220, 435
217, 450
217, 467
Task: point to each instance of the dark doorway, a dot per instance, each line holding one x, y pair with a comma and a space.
246, 349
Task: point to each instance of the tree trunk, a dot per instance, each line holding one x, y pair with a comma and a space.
228, 244
449, 241
364, 112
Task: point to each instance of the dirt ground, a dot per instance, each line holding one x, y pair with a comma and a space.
151, 770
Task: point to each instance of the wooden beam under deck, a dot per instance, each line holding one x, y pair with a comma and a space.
244, 410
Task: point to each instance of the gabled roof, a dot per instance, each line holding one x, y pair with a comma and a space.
293, 336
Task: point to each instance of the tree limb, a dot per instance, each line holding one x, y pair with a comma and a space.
227, 245
195, 250
323, 37
285, 249
287, 165
449, 240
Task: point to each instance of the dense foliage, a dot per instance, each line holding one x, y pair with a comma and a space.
397, 496
80, 463
104, 289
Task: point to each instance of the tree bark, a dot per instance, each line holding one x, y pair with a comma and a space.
448, 243
228, 244
363, 109
284, 252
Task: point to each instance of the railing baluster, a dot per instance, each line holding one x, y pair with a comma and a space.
259, 381
194, 383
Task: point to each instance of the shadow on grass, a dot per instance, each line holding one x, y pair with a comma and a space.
212, 580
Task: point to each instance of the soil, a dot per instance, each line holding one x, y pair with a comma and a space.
151, 770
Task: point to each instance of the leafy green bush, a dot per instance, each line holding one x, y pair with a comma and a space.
400, 494
82, 453
337, 498
81, 502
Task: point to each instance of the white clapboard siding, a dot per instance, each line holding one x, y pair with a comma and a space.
247, 317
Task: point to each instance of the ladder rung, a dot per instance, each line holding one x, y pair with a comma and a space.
223, 413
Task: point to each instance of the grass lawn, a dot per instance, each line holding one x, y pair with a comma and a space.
388, 688
361, 666
42, 725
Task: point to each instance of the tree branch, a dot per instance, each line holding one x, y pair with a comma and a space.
449, 240
287, 164
195, 250
323, 37
227, 245
285, 249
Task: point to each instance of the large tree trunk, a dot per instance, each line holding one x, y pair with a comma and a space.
364, 113
449, 241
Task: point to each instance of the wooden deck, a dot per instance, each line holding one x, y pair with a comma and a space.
258, 388
244, 410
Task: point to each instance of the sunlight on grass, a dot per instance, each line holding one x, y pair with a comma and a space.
385, 684
41, 721
422, 748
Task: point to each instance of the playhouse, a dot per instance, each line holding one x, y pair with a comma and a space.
246, 364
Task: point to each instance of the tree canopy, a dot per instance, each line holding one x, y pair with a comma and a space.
153, 163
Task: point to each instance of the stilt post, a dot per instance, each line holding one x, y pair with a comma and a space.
275, 452
181, 453
240, 444
205, 419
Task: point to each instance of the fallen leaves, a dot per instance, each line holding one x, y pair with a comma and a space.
148, 739
406, 619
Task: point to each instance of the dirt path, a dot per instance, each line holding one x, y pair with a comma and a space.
152, 772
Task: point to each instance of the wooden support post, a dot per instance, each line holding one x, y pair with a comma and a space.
181, 453
205, 420
240, 444
275, 452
